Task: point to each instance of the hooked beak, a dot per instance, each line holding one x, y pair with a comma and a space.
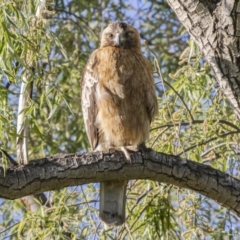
117, 39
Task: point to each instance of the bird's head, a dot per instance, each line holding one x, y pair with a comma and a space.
121, 35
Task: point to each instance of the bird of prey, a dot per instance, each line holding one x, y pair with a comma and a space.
118, 103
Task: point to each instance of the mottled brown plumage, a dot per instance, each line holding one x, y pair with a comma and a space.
119, 103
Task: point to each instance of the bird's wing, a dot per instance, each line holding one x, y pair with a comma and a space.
151, 99
89, 106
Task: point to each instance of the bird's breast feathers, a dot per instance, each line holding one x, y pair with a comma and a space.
123, 82
122, 71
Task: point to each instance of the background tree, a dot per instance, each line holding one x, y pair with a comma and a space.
195, 121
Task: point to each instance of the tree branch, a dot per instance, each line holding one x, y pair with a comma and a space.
197, 122
209, 140
215, 27
62, 170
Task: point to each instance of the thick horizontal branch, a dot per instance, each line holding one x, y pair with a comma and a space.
62, 170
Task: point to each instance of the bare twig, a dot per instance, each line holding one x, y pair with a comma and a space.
79, 18
218, 146
209, 140
175, 91
6, 229
197, 122
162, 79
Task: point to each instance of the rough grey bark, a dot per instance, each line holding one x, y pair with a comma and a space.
215, 27
64, 170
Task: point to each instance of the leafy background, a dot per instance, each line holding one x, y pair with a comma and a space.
194, 120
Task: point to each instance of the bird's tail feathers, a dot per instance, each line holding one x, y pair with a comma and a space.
112, 202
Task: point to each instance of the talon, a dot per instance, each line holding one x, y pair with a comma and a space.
126, 153
122, 149
133, 148
142, 147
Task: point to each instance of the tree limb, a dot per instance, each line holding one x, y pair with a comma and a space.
62, 170
215, 27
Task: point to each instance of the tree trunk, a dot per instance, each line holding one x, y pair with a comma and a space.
215, 27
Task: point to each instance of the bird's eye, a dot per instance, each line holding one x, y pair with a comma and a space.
110, 35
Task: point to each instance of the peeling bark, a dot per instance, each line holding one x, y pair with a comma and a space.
62, 170
215, 27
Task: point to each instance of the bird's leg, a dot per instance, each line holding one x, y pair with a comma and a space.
122, 149
126, 153
127, 149
135, 148
142, 147
103, 147
132, 148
